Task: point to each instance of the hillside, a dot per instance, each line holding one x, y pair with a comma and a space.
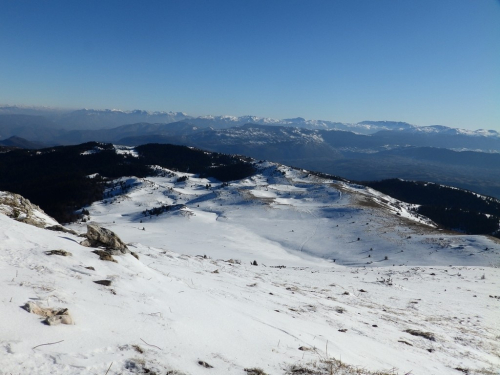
18, 142
58, 180
345, 279
382, 155
453, 208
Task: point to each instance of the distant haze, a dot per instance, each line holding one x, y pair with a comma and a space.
425, 62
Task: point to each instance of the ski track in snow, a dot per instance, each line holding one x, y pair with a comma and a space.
184, 301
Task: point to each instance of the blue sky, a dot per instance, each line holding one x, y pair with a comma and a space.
424, 62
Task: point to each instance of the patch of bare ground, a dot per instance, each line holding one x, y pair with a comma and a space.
366, 202
332, 366
494, 239
340, 187
420, 228
469, 371
250, 197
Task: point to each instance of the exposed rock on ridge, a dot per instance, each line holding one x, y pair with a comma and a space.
21, 209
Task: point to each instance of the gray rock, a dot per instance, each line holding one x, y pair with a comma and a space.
59, 319
103, 282
98, 236
86, 243
53, 316
33, 308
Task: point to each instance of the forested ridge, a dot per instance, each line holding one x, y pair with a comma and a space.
56, 178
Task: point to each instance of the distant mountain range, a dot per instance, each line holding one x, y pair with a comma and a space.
388, 135
109, 118
369, 150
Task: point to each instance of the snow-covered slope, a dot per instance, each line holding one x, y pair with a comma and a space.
294, 211
364, 127
344, 275
253, 134
440, 129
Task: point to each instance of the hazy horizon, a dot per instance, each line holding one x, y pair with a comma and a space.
421, 62
49, 108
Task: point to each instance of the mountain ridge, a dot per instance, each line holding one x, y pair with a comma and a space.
108, 118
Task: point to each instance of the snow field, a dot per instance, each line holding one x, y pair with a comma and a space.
194, 296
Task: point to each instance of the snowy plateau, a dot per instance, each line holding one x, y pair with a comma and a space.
283, 272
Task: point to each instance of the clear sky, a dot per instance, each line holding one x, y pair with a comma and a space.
421, 61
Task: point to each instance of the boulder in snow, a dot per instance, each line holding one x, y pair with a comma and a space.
53, 316
98, 236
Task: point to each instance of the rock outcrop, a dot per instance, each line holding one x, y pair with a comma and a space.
97, 236
21, 209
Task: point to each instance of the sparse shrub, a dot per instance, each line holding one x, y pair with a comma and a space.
255, 371
138, 349
384, 281
427, 335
